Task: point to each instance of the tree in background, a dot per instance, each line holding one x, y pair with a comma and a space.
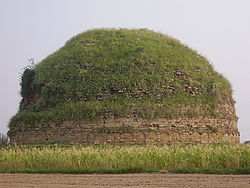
4, 139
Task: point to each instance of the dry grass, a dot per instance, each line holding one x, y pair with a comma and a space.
219, 158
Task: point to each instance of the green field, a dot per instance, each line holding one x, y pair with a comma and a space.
209, 158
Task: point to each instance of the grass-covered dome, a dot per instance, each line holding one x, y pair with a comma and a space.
120, 73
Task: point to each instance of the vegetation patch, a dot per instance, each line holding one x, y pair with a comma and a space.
27, 88
209, 158
213, 129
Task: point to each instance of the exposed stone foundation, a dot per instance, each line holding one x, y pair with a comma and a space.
133, 131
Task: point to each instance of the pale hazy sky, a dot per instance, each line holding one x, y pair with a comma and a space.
218, 29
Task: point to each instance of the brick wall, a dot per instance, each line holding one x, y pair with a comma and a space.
133, 131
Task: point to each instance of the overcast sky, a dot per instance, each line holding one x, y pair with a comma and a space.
218, 29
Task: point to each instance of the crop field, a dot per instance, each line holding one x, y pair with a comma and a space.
54, 158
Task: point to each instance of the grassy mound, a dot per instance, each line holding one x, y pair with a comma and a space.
120, 72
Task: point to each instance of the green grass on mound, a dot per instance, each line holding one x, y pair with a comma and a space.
213, 158
107, 71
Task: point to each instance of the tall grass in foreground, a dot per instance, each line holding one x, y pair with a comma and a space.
219, 158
